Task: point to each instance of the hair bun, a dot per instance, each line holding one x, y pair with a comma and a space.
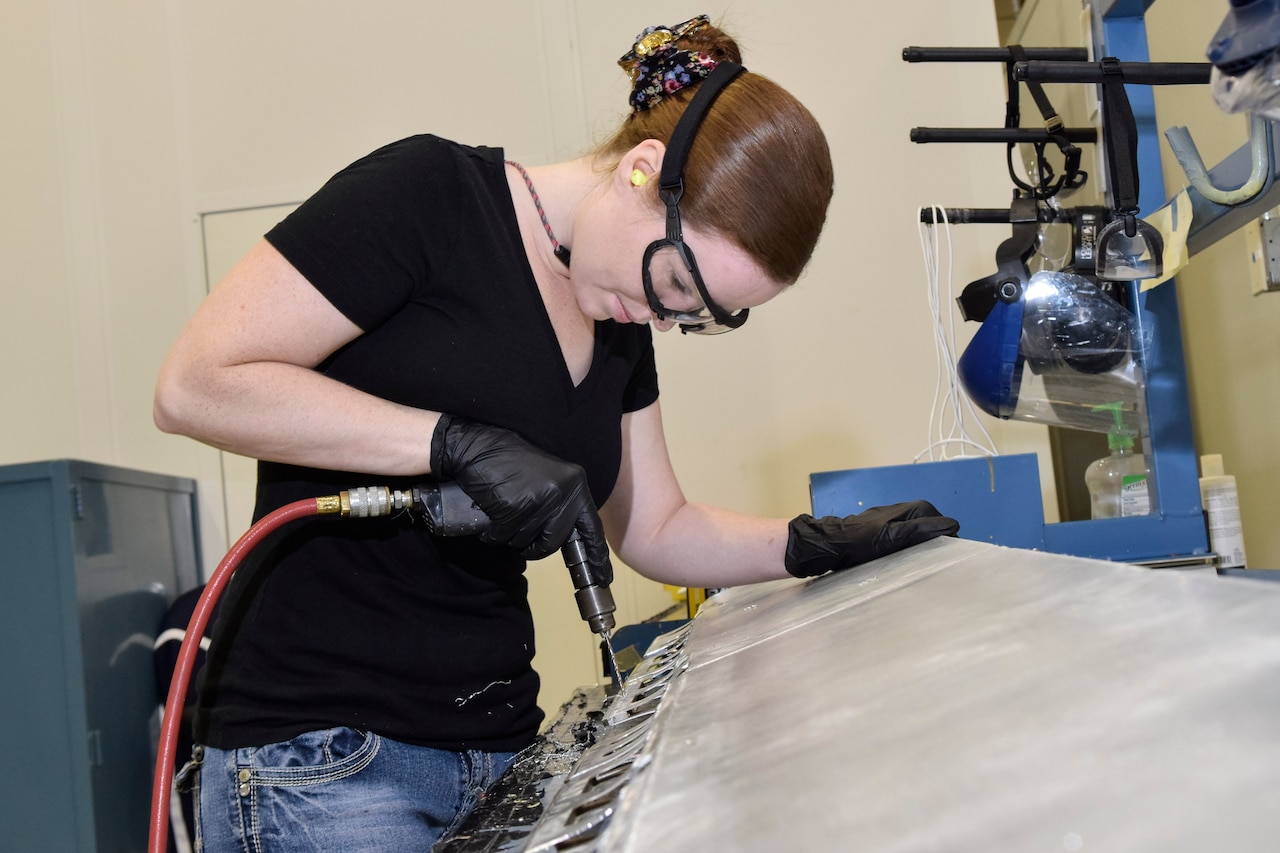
713, 41
665, 60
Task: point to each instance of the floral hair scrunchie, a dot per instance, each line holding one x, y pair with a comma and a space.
659, 68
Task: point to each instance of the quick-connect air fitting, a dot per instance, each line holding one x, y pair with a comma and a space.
367, 502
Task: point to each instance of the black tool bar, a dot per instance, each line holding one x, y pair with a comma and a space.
1147, 73
999, 134
982, 215
992, 54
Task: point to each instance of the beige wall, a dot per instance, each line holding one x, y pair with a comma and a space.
129, 124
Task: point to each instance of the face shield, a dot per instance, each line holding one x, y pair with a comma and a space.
1052, 352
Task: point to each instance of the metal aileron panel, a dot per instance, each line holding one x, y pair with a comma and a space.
956, 696
964, 696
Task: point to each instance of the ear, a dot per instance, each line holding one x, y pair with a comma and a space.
646, 158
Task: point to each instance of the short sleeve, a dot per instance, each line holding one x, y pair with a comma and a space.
366, 238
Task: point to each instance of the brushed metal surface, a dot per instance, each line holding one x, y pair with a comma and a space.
963, 696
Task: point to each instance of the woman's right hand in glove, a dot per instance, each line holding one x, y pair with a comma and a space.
534, 500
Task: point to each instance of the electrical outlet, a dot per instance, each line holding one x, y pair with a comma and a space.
1262, 237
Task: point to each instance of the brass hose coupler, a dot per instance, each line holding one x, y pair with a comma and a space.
329, 504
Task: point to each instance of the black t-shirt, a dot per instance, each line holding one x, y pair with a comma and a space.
373, 623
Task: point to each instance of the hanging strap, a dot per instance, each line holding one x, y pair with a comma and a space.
1046, 186
1120, 135
1052, 121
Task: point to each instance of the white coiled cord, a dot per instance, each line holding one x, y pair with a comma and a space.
952, 410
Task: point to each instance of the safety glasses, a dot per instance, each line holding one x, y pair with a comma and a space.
674, 288
673, 284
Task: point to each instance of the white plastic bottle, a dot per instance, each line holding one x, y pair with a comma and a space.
1221, 502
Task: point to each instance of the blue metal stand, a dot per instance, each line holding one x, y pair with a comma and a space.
1175, 528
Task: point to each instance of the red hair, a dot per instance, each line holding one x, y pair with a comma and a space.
759, 172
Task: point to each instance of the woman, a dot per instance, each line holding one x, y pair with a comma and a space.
436, 311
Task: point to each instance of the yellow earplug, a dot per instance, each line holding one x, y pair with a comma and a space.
638, 178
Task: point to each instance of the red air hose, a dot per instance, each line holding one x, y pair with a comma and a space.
187, 654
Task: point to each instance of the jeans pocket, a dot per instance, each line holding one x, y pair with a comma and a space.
314, 757
297, 796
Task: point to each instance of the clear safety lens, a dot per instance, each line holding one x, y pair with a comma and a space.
674, 287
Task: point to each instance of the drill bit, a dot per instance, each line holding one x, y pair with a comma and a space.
613, 659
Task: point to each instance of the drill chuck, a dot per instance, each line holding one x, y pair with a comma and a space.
595, 602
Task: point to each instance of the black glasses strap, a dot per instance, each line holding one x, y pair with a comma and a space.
671, 181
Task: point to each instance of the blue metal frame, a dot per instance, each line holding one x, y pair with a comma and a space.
1176, 527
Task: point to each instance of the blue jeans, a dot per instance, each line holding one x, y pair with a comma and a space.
338, 789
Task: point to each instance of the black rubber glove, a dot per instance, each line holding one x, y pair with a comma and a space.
533, 499
818, 545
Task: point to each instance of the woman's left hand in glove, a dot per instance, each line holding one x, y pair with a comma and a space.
819, 545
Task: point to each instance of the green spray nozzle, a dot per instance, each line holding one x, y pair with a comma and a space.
1119, 436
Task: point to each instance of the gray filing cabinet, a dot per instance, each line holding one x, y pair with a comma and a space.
90, 558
